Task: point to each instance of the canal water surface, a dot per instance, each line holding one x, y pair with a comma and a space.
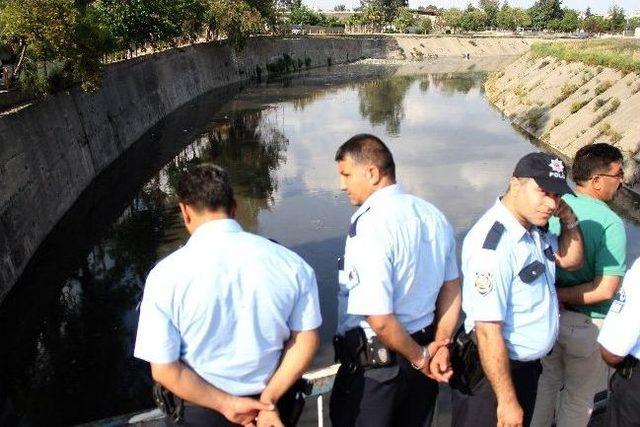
68, 329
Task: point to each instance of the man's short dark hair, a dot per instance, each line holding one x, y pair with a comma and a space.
206, 187
367, 148
593, 159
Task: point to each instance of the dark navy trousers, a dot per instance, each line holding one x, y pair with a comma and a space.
390, 396
623, 409
479, 408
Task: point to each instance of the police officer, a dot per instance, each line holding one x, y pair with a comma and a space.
620, 348
509, 299
398, 292
229, 321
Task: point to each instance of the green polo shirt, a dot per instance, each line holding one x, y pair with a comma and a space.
605, 247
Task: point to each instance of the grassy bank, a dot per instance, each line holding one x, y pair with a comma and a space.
619, 54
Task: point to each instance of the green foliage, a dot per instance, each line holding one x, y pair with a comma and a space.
404, 19
619, 54
544, 11
473, 20
389, 8
616, 19
599, 103
594, 24
370, 15
602, 87
570, 21
509, 18
613, 106
452, 18
55, 37
490, 8
577, 106
302, 15
425, 26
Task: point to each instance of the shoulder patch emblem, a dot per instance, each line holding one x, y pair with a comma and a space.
352, 278
483, 283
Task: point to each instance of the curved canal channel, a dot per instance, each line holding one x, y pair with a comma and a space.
69, 325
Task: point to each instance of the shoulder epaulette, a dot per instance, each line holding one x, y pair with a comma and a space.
354, 224
493, 236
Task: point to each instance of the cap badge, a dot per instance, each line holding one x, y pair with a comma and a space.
557, 169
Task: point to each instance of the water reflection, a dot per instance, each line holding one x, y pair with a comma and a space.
69, 327
71, 361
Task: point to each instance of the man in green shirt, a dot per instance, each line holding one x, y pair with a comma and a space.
574, 371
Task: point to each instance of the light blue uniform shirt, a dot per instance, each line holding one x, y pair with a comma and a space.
620, 333
399, 251
225, 304
512, 283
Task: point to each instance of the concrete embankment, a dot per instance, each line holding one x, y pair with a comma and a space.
567, 105
51, 151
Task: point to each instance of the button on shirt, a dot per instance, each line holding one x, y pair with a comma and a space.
512, 283
620, 333
399, 251
225, 304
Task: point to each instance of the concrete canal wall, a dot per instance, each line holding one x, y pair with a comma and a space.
51, 150
567, 105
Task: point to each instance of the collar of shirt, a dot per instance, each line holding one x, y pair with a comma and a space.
216, 226
514, 229
585, 197
377, 197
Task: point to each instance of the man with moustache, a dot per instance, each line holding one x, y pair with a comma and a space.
509, 263
398, 298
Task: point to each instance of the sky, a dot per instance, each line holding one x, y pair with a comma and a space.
597, 6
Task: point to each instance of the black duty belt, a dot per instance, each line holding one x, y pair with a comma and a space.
354, 349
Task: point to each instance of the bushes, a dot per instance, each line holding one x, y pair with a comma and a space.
622, 55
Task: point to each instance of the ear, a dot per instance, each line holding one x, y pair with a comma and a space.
514, 183
596, 182
373, 175
186, 213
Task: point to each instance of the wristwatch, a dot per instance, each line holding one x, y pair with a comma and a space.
425, 358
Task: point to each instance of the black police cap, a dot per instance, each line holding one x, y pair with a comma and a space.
548, 171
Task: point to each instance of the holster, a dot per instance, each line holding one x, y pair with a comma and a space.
358, 351
465, 360
626, 367
170, 404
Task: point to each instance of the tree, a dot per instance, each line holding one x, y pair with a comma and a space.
404, 19
302, 15
490, 8
544, 11
373, 15
236, 19
340, 8
570, 21
58, 44
136, 22
511, 18
426, 26
594, 24
473, 20
452, 18
616, 19
389, 7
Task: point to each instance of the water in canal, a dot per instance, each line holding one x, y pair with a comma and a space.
68, 329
